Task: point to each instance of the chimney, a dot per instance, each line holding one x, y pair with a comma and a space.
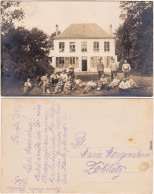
111, 30
56, 30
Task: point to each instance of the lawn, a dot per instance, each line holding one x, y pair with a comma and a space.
145, 84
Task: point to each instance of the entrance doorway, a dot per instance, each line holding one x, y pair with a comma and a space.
84, 63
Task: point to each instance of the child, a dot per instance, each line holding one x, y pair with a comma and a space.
89, 86
59, 86
102, 83
124, 85
115, 82
27, 86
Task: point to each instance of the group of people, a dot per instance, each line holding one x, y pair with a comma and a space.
67, 81
124, 85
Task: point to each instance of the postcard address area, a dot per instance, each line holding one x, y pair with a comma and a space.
74, 146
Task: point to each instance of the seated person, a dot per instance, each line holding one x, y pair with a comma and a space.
59, 86
27, 86
68, 86
115, 82
64, 76
131, 83
54, 78
46, 83
124, 85
77, 81
89, 86
102, 83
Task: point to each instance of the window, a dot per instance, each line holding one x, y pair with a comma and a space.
60, 62
72, 47
95, 61
96, 46
64, 62
61, 46
106, 46
72, 60
84, 46
52, 45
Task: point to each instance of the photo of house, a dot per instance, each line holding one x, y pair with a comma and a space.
83, 45
77, 48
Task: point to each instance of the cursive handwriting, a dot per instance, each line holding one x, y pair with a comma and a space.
79, 139
111, 153
101, 167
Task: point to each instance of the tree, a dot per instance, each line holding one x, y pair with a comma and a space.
134, 38
24, 52
10, 12
27, 52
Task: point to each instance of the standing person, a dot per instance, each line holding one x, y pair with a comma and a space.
100, 68
114, 68
126, 68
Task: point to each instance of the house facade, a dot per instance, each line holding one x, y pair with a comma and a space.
82, 46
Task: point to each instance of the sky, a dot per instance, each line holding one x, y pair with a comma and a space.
45, 15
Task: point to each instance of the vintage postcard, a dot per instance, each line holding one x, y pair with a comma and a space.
77, 145
77, 48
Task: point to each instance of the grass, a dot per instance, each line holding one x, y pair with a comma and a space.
145, 89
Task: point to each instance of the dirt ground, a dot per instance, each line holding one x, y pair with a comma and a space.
145, 85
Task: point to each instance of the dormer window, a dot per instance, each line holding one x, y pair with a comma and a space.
107, 46
84, 46
61, 47
96, 46
72, 47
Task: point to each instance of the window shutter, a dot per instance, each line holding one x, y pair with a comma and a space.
77, 62
66, 62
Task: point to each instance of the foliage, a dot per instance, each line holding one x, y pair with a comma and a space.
134, 38
10, 12
25, 52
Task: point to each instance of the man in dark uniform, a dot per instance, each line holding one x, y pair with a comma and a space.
100, 68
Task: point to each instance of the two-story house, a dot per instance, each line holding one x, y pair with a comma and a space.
83, 45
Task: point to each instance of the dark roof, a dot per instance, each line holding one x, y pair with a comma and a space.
83, 31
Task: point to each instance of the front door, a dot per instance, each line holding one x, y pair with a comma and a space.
84, 64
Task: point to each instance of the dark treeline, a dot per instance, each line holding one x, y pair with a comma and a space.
134, 38
24, 52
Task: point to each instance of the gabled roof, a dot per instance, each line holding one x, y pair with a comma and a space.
83, 31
